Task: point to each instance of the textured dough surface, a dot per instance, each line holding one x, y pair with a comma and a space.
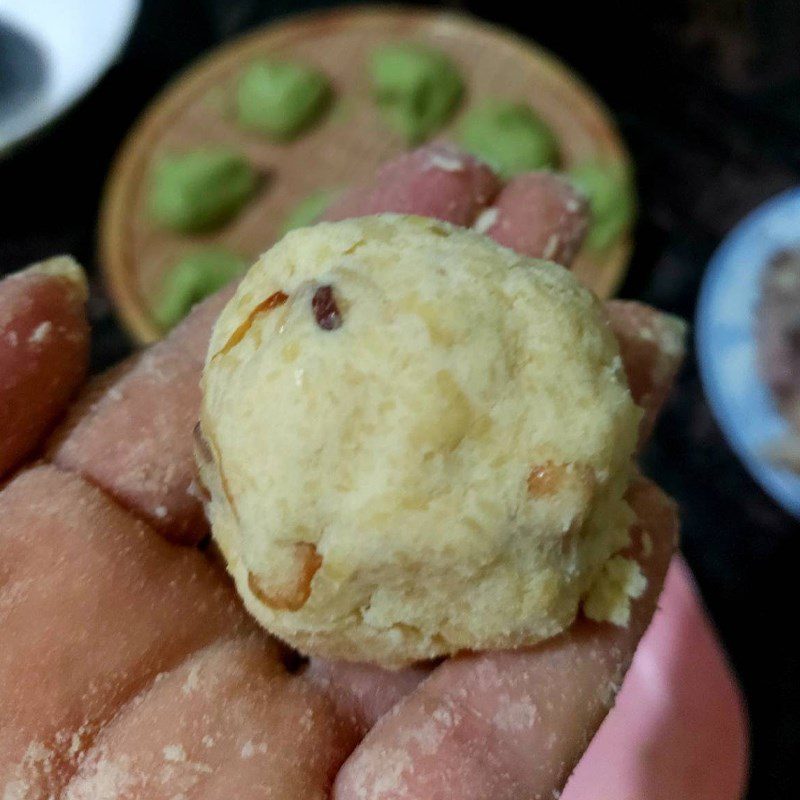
443, 471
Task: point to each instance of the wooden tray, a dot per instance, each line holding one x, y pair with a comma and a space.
344, 148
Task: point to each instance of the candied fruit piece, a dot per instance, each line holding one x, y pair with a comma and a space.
326, 311
292, 593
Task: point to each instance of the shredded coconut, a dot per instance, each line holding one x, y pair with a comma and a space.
446, 163
194, 491
174, 753
41, 332
514, 716
109, 780
551, 246
485, 220
192, 684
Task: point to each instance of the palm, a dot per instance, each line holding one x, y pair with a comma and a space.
129, 670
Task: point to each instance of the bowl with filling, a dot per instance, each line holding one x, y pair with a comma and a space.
746, 333
778, 347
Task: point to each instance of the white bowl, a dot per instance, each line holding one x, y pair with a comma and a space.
726, 347
76, 41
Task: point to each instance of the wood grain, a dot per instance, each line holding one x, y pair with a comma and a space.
344, 148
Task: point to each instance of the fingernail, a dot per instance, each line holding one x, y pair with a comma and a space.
65, 267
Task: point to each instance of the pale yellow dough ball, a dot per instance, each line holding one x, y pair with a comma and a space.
415, 441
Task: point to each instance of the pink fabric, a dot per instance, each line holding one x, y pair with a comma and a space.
679, 728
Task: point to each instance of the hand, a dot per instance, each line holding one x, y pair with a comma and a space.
127, 667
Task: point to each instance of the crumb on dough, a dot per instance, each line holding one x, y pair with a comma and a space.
609, 599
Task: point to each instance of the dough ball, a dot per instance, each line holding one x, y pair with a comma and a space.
612, 200
194, 277
417, 88
415, 442
309, 210
200, 190
280, 99
510, 137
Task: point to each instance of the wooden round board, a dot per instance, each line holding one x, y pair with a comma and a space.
344, 148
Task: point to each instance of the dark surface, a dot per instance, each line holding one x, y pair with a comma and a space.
708, 96
24, 70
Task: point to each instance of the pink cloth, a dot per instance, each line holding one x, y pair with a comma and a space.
679, 728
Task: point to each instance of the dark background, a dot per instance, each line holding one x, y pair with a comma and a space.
707, 94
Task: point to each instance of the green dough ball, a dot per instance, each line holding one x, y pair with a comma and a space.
612, 199
201, 189
193, 278
307, 211
510, 137
416, 88
279, 98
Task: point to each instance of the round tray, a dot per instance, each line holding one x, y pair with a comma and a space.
347, 145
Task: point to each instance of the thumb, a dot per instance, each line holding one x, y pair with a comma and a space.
44, 349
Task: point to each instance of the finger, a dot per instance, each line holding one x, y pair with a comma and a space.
131, 433
363, 691
652, 346
93, 605
510, 725
44, 348
434, 181
539, 215
228, 723
678, 727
